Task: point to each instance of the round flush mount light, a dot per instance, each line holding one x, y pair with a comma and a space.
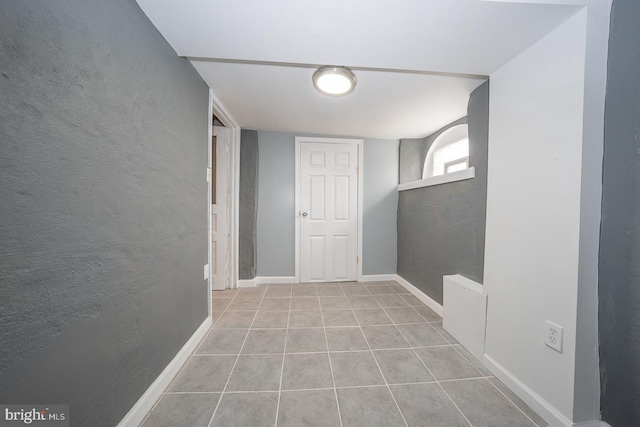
334, 81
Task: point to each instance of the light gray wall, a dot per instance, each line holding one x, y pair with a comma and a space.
248, 204
276, 205
103, 205
619, 277
380, 234
441, 228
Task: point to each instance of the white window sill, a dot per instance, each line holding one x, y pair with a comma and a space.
440, 179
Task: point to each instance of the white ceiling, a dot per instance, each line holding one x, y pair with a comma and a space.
416, 60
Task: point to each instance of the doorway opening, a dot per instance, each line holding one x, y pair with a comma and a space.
222, 174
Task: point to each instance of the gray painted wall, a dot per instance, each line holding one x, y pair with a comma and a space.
248, 204
276, 205
380, 235
619, 269
103, 205
441, 228
411, 161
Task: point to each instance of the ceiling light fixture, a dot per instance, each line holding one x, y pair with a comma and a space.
334, 81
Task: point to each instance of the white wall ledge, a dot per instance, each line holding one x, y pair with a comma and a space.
440, 179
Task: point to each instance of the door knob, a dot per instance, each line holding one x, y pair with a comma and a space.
304, 214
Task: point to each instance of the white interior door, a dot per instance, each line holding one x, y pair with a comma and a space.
328, 211
219, 265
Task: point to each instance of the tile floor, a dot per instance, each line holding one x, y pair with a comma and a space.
347, 354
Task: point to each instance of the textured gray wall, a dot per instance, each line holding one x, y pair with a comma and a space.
276, 206
248, 204
619, 269
103, 205
411, 163
441, 228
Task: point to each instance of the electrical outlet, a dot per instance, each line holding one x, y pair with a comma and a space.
206, 272
553, 336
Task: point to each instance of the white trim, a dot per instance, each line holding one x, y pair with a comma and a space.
551, 2
222, 208
247, 283
296, 214
234, 175
360, 207
427, 300
139, 411
209, 184
360, 144
378, 277
532, 399
440, 179
221, 113
234, 248
455, 162
263, 280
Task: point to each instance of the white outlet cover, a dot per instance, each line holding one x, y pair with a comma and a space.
553, 336
206, 272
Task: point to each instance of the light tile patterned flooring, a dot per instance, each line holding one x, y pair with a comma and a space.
329, 354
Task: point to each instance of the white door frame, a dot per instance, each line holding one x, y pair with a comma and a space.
234, 179
216, 107
223, 195
209, 139
360, 144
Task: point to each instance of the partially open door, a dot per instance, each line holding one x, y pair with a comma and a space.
220, 201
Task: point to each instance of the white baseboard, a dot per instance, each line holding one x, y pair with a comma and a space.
262, 280
595, 423
251, 283
531, 398
427, 300
139, 411
378, 277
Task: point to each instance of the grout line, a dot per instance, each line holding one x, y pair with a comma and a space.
149, 413
453, 380
284, 355
311, 389
465, 358
431, 373
513, 403
192, 392
235, 363
456, 346
335, 388
385, 385
377, 364
326, 341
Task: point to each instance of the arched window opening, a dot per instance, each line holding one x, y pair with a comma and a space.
448, 153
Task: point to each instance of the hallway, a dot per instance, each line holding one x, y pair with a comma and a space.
349, 354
